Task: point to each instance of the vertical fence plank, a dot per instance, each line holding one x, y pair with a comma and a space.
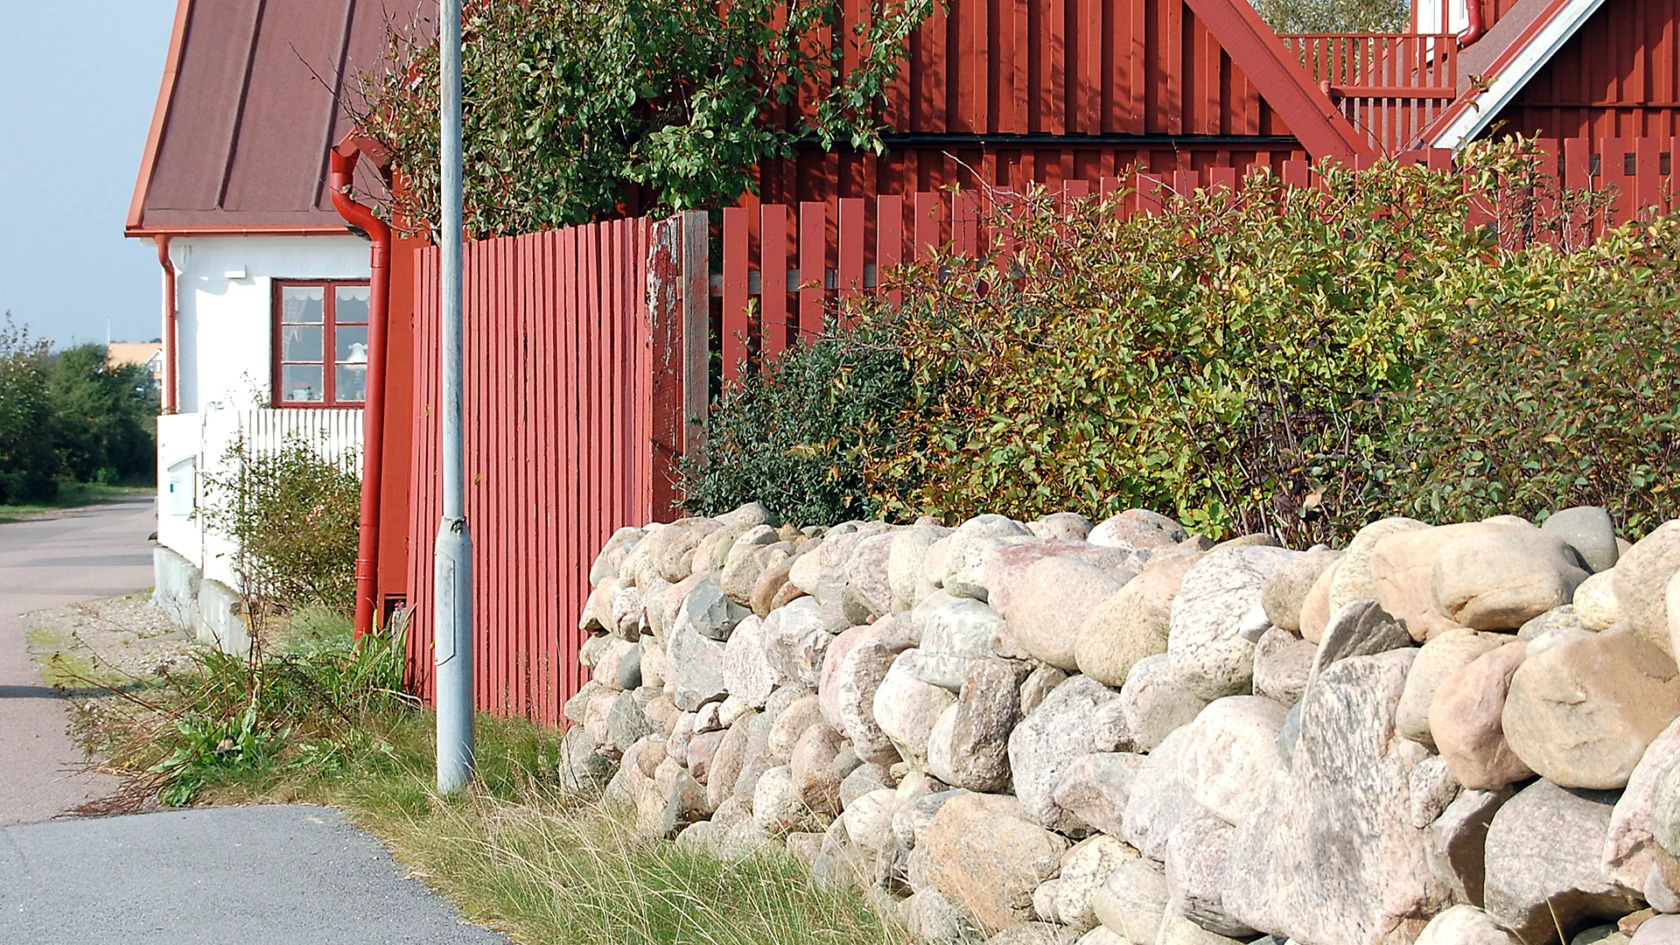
965, 225
773, 278
1612, 176
927, 225
851, 238
889, 241
1647, 187
813, 266
734, 293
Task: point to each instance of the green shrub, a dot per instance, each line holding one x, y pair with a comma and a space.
1561, 387
789, 437
293, 516
1293, 362
29, 463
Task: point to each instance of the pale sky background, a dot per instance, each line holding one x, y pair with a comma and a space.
78, 80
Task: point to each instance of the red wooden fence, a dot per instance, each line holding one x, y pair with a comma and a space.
589, 354
785, 268
1390, 86
571, 429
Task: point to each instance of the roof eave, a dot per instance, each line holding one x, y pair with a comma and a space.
160, 113
1470, 115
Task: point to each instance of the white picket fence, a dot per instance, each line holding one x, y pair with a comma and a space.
192, 446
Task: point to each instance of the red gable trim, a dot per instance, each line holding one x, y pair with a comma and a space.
1303, 106
166, 94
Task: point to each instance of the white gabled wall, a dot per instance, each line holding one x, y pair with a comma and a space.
226, 322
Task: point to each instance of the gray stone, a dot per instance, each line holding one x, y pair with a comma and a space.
1657, 930
1084, 869
1132, 902
1352, 578
1160, 799
954, 632
696, 667
1466, 720
864, 665
1198, 868
931, 918
1158, 700
1080, 717
863, 779
973, 749
869, 819
868, 585
1096, 787
1544, 868
1067, 526
1006, 567
1282, 664
906, 708
916, 809
1665, 811
796, 638
748, 672
1052, 601
1132, 624
708, 612
1581, 713
987, 858
1231, 755
1177, 930
777, 809
1357, 628
904, 562
968, 548
1035, 933
1431, 789
817, 768
582, 771
1350, 778
1594, 606
1137, 528
626, 723
1630, 846
1589, 530
1040, 683
1458, 841
1464, 925
1642, 576
1500, 579
1285, 589
790, 724
1207, 637
1441, 657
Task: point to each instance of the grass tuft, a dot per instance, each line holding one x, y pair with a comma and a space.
321, 719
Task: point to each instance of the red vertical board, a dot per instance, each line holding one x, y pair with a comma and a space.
735, 328
851, 247
813, 266
889, 240
927, 225
773, 279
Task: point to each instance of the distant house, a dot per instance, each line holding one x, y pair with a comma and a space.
265, 288
145, 354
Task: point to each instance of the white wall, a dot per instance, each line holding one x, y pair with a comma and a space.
225, 298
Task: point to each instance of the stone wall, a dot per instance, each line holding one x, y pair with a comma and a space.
1049, 732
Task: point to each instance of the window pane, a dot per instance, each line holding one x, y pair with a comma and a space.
352, 343
352, 303
300, 343
352, 383
302, 303
301, 384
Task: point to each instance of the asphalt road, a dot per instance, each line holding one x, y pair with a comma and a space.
246, 875
82, 555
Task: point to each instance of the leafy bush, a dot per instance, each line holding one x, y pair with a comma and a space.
1558, 386
293, 516
1282, 361
789, 437
570, 106
29, 464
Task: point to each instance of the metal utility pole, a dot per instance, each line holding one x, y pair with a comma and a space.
453, 649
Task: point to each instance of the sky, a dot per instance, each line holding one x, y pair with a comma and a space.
80, 80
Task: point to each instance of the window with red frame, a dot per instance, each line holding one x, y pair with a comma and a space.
320, 344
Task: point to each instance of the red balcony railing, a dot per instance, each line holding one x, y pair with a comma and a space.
1390, 85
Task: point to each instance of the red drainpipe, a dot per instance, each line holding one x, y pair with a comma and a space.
1475, 29
171, 403
343, 170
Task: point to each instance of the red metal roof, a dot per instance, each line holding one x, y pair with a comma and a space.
250, 103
